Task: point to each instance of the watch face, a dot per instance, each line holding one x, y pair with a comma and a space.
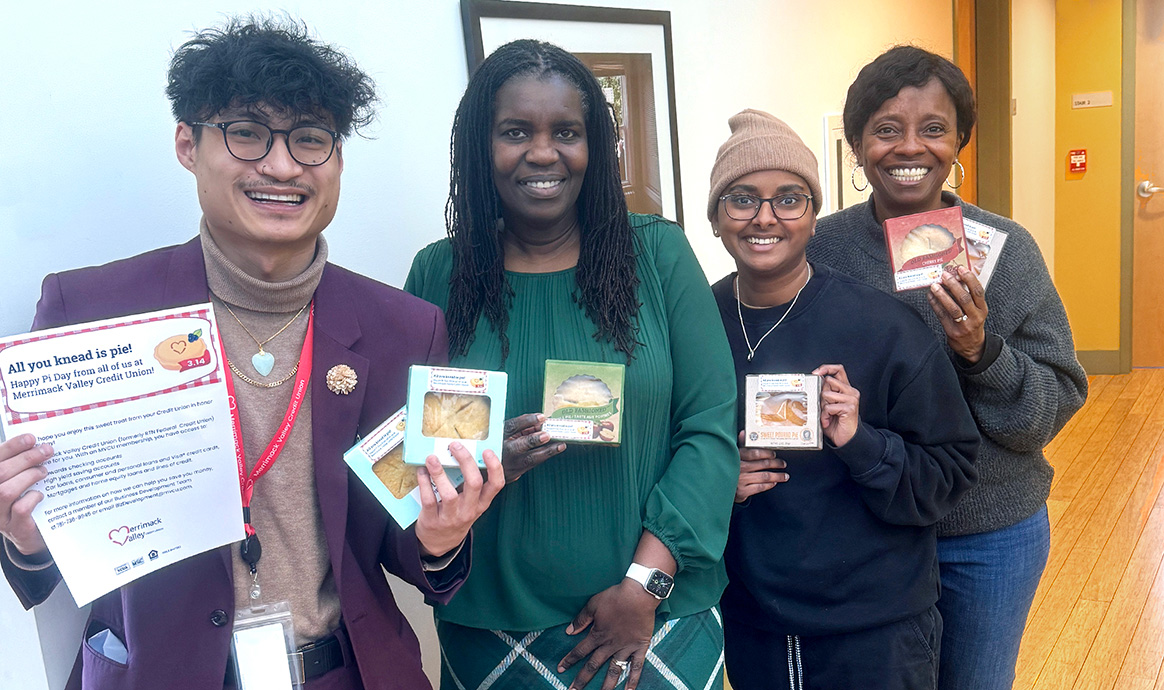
660, 583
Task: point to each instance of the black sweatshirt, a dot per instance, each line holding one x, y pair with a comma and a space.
849, 543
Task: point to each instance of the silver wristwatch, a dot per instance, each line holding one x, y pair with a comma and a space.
657, 583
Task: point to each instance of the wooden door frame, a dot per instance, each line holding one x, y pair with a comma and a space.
1127, 182
965, 56
992, 86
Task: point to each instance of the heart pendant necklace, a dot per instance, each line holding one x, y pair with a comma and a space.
264, 361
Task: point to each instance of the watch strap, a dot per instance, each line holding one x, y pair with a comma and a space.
644, 575
639, 573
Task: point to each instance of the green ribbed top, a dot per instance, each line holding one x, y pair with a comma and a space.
568, 529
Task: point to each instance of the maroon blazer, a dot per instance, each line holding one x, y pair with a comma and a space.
176, 623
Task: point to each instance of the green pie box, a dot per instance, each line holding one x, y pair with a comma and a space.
583, 402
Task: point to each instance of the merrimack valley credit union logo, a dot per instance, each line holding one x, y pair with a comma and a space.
125, 534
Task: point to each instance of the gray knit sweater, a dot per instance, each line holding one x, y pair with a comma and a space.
1028, 383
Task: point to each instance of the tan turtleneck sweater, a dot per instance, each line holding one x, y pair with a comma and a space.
284, 509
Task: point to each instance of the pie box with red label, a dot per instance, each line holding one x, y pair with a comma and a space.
923, 245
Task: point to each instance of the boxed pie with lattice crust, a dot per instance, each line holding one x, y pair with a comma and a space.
924, 245
783, 411
377, 460
464, 405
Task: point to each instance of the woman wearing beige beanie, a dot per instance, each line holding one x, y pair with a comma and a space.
831, 557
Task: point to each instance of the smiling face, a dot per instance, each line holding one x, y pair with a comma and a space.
907, 148
766, 248
265, 215
539, 152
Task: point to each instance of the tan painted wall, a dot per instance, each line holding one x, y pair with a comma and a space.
1087, 207
802, 57
1033, 131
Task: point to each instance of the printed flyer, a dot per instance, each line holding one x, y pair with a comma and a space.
144, 471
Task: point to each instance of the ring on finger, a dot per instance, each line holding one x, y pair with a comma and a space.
621, 664
961, 318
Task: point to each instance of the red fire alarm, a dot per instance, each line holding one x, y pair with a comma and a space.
1077, 161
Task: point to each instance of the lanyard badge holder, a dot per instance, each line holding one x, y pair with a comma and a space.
263, 641
262, 647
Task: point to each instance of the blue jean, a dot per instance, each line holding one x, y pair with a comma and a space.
988, 584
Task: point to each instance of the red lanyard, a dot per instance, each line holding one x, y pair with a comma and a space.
267, 459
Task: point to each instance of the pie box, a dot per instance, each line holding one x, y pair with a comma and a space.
923, 245
377, 461
782, 411
984, 246
582, 402
446, 405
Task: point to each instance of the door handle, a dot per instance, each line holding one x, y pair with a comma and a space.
1145, 189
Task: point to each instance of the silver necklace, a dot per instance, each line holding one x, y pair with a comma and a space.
740, 313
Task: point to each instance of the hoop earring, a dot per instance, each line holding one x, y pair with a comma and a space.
961, 175
853, 178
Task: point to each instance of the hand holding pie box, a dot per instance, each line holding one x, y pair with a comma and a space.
463, 405
581, 402
378, 461
783, 411
924, 245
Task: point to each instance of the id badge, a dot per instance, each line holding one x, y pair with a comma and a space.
262, 646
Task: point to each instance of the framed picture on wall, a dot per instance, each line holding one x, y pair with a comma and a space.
630, 53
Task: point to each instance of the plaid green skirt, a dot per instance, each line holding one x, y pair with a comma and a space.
685, 654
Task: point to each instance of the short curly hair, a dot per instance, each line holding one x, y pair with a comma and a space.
268, 61
897, 68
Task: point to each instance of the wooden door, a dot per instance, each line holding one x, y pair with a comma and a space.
966, 57
628, 83
1148, 225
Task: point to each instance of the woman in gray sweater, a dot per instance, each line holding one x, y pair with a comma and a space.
906, 117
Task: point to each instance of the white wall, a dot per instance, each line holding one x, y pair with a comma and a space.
89, 172
87, 169
99, 181
802, 57
1032, 62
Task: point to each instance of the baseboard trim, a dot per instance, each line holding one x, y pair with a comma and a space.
1100, 361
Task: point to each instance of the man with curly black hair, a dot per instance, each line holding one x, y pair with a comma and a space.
263, 110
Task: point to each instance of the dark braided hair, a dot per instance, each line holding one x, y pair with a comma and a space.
606, 276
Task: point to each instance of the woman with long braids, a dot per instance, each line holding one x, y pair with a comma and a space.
596, 564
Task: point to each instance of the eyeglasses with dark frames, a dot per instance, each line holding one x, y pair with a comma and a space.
791, 206
248, 140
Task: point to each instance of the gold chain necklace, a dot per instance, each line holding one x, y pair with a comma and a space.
740, 313
263, 361
273, 384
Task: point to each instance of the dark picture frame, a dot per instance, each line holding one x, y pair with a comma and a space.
631, 53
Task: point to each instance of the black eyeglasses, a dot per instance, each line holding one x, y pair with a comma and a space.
791, 206
248, 140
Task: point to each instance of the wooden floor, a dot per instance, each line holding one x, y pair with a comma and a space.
1098, 617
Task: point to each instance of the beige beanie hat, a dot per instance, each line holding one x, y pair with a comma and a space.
761, 142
